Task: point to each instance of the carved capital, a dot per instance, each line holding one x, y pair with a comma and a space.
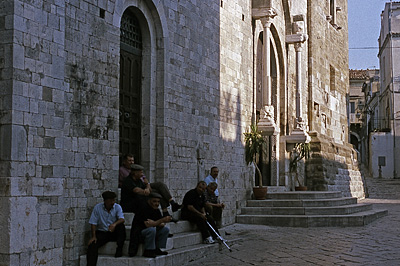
296, 38
266, 14
298, 46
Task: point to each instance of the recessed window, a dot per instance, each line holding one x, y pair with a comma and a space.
352, 107
332, 74
102, 13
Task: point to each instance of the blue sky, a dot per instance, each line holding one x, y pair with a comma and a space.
364, 27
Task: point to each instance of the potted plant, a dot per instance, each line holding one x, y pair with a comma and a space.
254, 141
300, 151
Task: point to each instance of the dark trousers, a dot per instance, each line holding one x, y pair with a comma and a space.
118, 235
205, 230
215, 212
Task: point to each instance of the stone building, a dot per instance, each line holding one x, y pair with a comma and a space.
386, 148
177, 83
362, 110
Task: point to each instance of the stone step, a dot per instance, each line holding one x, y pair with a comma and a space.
301, 202
176, 256
354, 219
175, 228
347, 209
304, 195
177, 241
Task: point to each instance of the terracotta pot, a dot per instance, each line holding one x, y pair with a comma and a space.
300, 188
260, 192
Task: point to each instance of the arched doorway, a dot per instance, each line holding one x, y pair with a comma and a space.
130, 86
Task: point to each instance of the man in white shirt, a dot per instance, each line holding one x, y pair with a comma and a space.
107, 224
212, 177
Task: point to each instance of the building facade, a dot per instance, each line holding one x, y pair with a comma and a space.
363, 111
389, 101
176, 83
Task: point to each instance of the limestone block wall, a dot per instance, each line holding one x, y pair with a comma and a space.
59, 112
31, 129
333, 167
333, 164
58, 126
90, 129
328, 70
208, 97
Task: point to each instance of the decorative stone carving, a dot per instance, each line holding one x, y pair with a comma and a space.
269, 112
258, 13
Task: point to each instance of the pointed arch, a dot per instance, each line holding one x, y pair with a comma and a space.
152, 21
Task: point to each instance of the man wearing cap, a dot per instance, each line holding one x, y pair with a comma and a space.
149, 226
136, 187
107, 224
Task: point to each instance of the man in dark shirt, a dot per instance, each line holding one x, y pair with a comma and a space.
136, 187
149, 225
193, 211
125, 168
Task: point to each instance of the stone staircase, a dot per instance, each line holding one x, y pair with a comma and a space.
308, 209
185, 245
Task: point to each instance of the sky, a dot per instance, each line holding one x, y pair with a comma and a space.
364, 27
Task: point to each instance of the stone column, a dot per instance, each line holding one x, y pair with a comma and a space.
267, 121
299, 110
299, 133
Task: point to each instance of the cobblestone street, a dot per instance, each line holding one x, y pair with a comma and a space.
375, 244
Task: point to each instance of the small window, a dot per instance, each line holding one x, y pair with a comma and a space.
352, 107
332, 77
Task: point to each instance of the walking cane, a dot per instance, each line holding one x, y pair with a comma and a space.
220, 239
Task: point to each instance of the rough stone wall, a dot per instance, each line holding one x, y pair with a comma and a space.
208, 97
328, 74
61, 131
59, 109
60, 140
31, 132
333, 167
333, 164
5, 119
91, 137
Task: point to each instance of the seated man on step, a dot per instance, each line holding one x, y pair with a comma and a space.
149, 226
136, 187
107, 224
213, 206
193, 210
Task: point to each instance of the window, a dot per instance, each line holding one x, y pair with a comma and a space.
332, 76
352, 107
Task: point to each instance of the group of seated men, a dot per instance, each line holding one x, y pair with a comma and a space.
200, 206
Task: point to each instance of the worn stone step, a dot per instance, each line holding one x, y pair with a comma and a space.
304, 195
301, 202
129, 216
176, 256
175, 228
347, 209
355, 219
177, 241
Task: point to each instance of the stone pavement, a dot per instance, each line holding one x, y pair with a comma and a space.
375, 244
